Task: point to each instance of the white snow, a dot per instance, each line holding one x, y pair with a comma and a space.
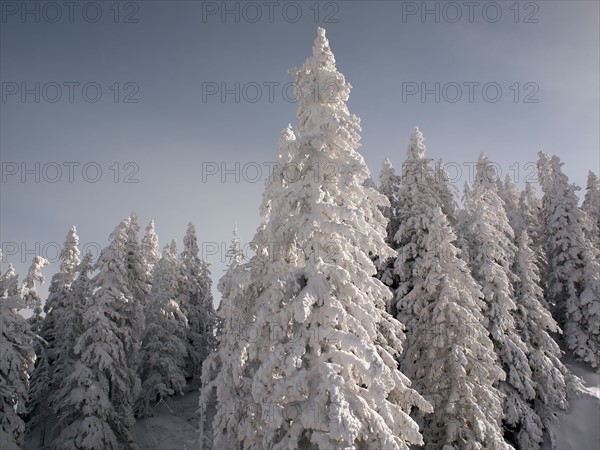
579, 427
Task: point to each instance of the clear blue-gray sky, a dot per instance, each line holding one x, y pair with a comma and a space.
158, 119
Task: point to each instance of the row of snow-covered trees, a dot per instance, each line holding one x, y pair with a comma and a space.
487, 277
392, 317
117, 335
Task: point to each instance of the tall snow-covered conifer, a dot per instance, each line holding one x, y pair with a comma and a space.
321, 370
573, 263
17, 354
509, 193
389, 185
197, 305
553, 381
51, 349
417, 199
449, 355
150, 249
98, 407
164, 346
591, 206
492, 255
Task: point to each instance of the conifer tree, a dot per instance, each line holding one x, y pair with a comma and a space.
419, 195
197, 306
492, 255
98, 400
17, 354
449, 355
553, 381
591, 206
150, 249
164, 345
51, 347
573, 263
321, 372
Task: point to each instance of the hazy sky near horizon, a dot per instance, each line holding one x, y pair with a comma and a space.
109, 108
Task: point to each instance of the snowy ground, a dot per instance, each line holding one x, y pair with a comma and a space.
174, 424
580, 427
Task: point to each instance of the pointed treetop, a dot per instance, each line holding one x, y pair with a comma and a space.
592, 181
191, 229
190, 243
388, 180
70, 252
485, 173
171, 248
319, 82
416, 148
510, 187
133, 222
72, 236
322, 52
234, 253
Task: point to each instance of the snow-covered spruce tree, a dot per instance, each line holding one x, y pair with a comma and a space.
449, 355
573, 264
138, 275
197, 306
492, 255
463, 225
38, 388
150, 249
164, 347
389, 185
100, 392
591, 206
531, 210
235, 256
553, 381
509, 193
51, 347
417, 199
17, 354
321, 370
69, 324
222, 406
70, 327
446, 192
230, 314
32, 298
